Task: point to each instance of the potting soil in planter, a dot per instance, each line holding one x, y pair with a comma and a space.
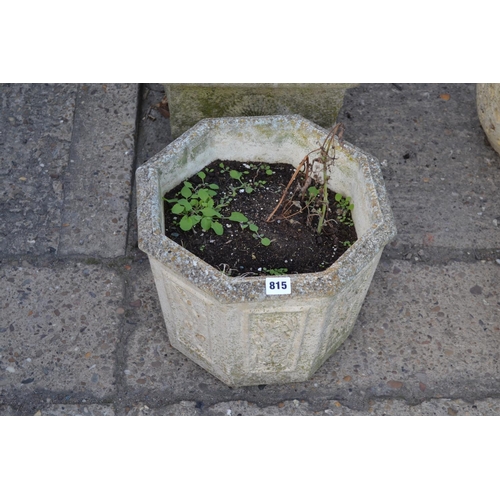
254, 189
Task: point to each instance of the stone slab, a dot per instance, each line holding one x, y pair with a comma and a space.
437, 407
36, 123
190, 103
77, 410
441, 174
62, 410
333, 408
385, 407
7, 411
181, 409
98, 180
59, 327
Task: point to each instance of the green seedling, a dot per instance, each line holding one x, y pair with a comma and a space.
312, 192
266, 169
259, 183
196, 205
247, 186
344, 203
224, 168
279, 271
255, 230
345, 209
263, 166
238, 176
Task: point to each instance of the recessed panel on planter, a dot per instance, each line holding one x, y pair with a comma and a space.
274, 338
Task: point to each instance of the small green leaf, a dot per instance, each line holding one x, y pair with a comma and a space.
210, 212
249, 189
237, 217
313, 191
213, 186
185, 203
202, 175
177, 209
186, 192
235, 174
269, 172
350, 207
203, 194
186, 223
338, 197
217, 227
206, 223
253, 228
265, 241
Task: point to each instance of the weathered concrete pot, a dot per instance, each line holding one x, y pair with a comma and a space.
229, 326
488, 110
191, 102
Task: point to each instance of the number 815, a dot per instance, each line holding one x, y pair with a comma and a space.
277, 285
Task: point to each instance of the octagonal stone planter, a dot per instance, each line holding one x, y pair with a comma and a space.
229, 325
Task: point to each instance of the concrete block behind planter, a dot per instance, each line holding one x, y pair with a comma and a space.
190, 103
488, 109
229, 326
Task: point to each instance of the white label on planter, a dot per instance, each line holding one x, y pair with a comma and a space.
278, 286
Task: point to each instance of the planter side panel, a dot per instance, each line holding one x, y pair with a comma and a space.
278, 341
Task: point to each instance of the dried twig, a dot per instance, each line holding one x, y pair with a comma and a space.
324, 157
285, 191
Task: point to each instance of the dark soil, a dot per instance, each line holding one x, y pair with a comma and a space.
295, 244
